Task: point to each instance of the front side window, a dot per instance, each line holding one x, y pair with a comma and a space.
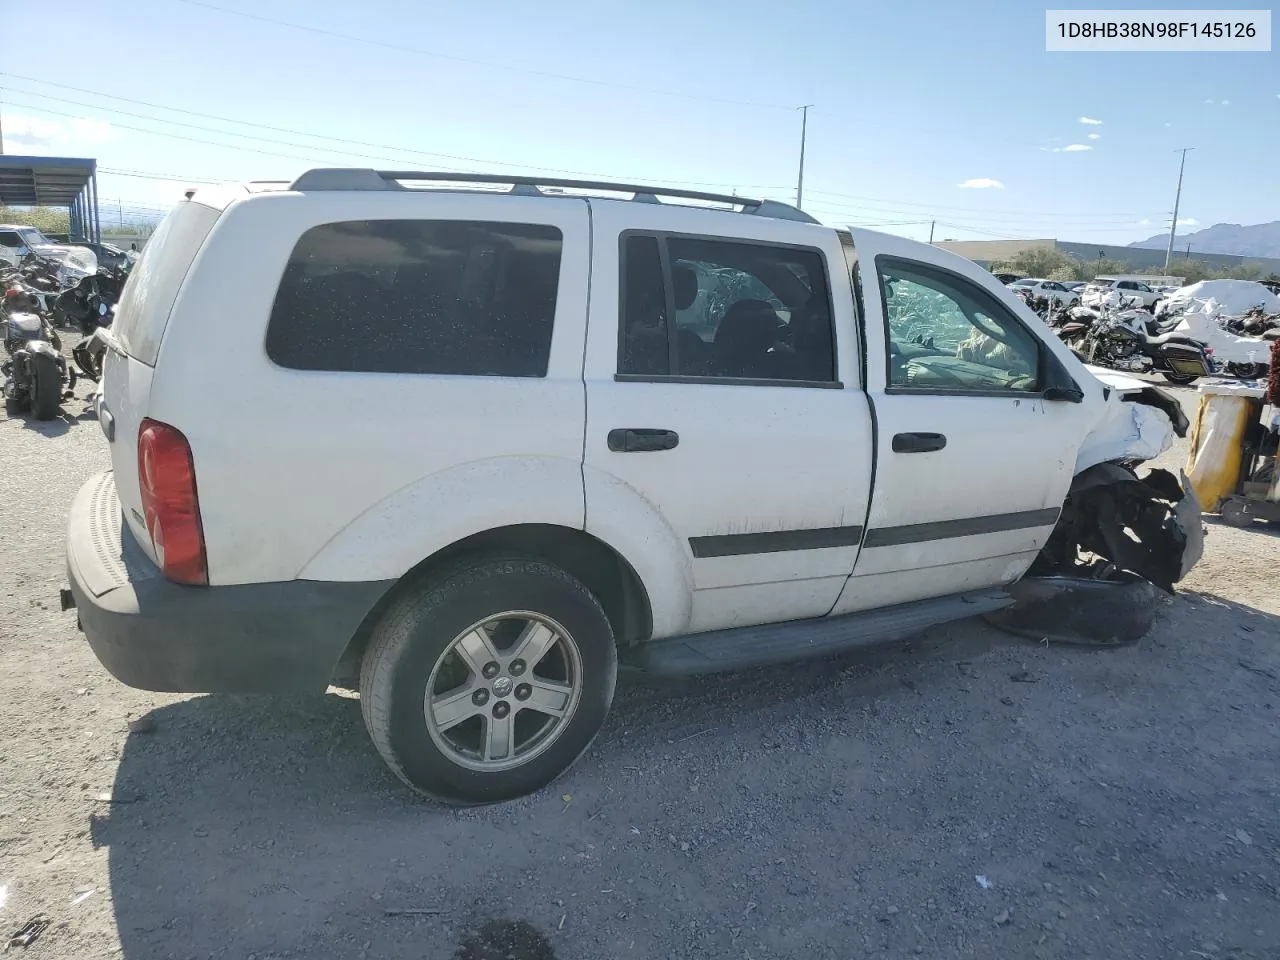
419, 296
945, 334
737, 310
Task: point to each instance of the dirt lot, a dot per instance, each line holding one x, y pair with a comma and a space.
1119, 804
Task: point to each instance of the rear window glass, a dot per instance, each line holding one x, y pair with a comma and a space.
419, 296
153, 282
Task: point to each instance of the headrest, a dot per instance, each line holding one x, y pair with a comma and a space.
685, 282
749, 320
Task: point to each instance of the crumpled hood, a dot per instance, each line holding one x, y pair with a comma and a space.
1117, 381
1140, 422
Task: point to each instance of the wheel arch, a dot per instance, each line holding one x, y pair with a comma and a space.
598, 566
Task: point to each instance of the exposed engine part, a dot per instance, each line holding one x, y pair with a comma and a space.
1148, 526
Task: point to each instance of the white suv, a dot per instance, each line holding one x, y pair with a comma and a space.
1101, 287
478, 446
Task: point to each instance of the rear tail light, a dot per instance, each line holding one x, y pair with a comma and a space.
167, 478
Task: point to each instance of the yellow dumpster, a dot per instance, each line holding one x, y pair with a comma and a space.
1223, 419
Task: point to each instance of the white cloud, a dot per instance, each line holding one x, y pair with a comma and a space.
40, 136
1226, 103
981, 183
1144, 222
1089, 121
1168, 123
1073, 148
1188, 222
1210, 102
1095, 136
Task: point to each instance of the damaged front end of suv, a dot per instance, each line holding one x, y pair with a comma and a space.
1116, 524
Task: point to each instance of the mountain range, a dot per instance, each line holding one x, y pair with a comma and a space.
1257, 240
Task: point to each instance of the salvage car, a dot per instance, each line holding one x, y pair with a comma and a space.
1056, 293
487, 444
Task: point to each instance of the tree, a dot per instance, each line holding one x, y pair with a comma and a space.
1104, 268
44, 219
1245, 271
1039, 262
1193, 271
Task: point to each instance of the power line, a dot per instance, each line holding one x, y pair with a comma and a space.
935, 206
193, 126
492, 64
175, 136
143, 175
316, 136
891, 209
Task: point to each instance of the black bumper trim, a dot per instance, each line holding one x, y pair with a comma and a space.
154, 634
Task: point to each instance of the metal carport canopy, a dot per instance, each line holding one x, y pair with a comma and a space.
43, 181
69, 182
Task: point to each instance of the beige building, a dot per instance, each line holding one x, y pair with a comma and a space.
990, 251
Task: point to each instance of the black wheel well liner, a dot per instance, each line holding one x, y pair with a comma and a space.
599, 567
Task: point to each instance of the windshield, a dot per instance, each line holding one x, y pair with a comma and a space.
1025, 282
32, 236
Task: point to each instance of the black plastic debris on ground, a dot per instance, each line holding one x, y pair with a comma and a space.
506, 940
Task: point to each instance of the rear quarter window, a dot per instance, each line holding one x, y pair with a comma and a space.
154, 281
419, 296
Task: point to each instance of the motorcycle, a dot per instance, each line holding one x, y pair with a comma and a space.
88, 353
1256, 322
1121, 338
35, 369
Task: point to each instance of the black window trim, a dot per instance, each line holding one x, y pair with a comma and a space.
662, 236
1043, 355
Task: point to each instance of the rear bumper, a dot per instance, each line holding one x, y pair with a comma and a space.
154, 634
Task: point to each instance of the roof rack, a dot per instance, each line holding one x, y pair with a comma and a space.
332, 178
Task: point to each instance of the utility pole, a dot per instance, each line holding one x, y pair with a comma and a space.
932, 224
1188, 249
804, 127
1177, 199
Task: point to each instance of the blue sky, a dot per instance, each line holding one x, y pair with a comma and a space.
910, 101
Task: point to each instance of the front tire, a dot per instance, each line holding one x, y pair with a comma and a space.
46, 386
487, 681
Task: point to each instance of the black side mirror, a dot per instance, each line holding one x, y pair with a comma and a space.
1063, 394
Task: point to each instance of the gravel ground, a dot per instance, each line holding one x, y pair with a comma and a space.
1116, 803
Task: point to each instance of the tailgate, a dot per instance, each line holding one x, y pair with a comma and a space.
126, 387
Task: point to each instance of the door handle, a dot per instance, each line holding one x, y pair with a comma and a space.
918, 442
641, 439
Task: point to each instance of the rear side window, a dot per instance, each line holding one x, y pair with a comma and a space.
419, 296
153, 283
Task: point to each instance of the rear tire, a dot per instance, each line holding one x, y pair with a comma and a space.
1181, 379
46, 386
449, 648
